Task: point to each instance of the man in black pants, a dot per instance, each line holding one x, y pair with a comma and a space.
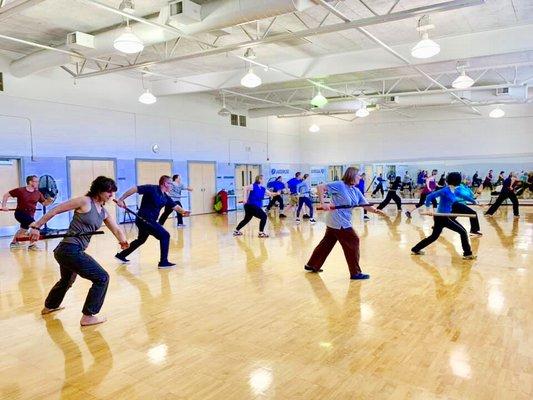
506, 193
154, 198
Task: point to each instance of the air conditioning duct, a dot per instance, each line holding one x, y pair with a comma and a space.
214, 15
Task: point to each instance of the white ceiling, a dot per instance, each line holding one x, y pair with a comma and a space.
49, 22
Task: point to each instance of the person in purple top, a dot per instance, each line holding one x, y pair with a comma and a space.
253, 206
446, 198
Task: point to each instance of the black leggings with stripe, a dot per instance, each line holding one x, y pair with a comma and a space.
438, 225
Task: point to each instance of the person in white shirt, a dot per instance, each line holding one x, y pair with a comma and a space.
175, 195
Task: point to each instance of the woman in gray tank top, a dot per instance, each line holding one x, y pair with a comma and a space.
89, 214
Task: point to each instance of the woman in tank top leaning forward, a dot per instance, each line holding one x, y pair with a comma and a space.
89, 214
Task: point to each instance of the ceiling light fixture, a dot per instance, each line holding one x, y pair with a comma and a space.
250, 54
314, 128
362, 112
426, 47
224, 112
127, 6
463, 81
319, 100
497, 113
251, 80
147, 97
128, 42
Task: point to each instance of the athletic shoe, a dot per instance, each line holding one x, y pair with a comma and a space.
237, 233
469, 257
34, 247
298, 220
359, 276
282, 216
123, 259
181, 226
15, 245
263, 235
417, 253
366, 218
312, 220
308, 268
408, 214
477, 234
165, 264
306, 216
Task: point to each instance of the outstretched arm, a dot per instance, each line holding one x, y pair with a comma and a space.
128, 193
116, 231
4, 201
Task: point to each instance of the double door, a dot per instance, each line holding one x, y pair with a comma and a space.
244, 176
202, 179
335, 172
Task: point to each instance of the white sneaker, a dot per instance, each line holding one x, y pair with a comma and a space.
15, 245
298, 220
237, 233
312, 221
34, 247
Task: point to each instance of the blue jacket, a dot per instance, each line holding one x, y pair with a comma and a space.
446, 199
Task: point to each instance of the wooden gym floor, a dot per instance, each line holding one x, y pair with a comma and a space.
239, 319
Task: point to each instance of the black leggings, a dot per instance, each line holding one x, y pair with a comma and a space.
422, 200
379, 188
439, 223
168, 211
391, 195
461, 208
273, 201
505, 194
308, 203
251, 211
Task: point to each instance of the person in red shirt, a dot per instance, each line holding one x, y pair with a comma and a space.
27, 198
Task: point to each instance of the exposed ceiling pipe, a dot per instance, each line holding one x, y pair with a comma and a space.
15, 7
397, 16
152, 32
369, 35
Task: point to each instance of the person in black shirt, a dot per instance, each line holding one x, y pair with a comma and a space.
506, 193
154, 198
391, 195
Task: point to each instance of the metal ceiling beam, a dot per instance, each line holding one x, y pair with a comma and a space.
15, 7
370, 36
397, 16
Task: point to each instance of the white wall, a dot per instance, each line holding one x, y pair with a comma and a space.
101, 117
437, 134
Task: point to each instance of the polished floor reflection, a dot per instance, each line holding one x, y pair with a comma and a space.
239, 319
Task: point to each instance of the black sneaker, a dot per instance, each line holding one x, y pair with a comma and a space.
306, 216
476, 234
121, 258
308, 268
417, 253
165, 265
408, 214
359, 276
282, 216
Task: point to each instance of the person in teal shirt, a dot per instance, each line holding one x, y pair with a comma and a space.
464, 195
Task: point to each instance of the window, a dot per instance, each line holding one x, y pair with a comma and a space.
242, 120
234, 119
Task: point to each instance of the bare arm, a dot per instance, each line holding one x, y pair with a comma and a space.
125, 195
69, 205
374, 210
116, 231
246, 190
4, 201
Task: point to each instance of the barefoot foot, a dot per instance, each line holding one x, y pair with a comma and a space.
87, 320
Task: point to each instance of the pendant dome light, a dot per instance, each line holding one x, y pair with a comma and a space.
314, 128
127, 6
128, 42
319, 100
463, 81
224, 112
425, 48
146, 97
362, 112
251, 80
497, 112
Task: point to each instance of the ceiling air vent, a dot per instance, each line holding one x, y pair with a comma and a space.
502, 91
80, 41
185, 12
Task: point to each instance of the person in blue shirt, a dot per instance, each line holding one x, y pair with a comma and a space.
507, 192
292, 184
464, 195
253, 206
361, 187
175, 195
277, 186
446, 198
392, 195
379, 186
304, 193
339, 223
154, 197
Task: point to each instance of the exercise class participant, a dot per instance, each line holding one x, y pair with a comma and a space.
304, 193
464, 194
392, 195
276, 186
361, 187
175, 195
506, 193
27, 198
429, 187
379, 186
89, 213
154, 197
446, 199
339, 223
253, 206
292, 185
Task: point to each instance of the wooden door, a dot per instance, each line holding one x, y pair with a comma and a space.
209, 186
335, 172
196, 180
149, 172
9, 179
83, 172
